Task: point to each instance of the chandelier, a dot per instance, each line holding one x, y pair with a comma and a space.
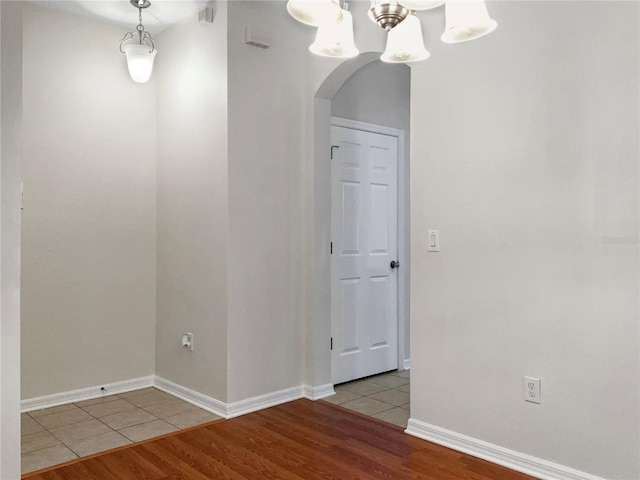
139, 48
465, 20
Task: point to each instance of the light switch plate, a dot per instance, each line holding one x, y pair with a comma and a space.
433, 241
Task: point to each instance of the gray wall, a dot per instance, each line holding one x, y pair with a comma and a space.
379, 93
192, 204
266, 209
525, 156
10, 139
88, 225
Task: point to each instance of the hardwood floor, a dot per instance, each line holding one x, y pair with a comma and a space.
301, 440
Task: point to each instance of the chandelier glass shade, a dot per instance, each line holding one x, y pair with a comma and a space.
139, 61
336, 39
421, 4
315, 12
405, 43
465, 20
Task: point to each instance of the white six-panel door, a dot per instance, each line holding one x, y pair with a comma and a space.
364, 286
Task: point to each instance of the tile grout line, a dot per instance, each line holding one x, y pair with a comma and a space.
51, 433
88, 413
118, 397
94, 417
155, 418
386, 389
75, 423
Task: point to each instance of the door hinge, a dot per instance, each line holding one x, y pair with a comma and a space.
331, 343
332, 147
331, 248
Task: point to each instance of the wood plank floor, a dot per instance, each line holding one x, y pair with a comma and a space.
301, 440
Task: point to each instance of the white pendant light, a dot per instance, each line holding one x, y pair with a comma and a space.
138, 47
466, 20
139, 61
405, 43
336, 39
315, 12
421, 4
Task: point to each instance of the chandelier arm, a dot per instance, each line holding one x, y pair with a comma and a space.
149, 38
127, 36
146, 40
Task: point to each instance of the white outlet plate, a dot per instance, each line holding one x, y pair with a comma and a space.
187, 340
532, 391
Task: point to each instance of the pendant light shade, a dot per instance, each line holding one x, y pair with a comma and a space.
421, 4
140, 61
466, 20
315, 12
405, 42
336, 39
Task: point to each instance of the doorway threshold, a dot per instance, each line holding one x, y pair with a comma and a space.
384, 396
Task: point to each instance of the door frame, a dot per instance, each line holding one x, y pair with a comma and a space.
403, 224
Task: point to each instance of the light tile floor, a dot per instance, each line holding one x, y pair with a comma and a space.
384, 396
59, 434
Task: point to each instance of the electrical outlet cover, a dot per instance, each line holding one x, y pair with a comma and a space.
532, 390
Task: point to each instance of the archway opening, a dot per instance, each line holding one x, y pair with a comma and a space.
345, 83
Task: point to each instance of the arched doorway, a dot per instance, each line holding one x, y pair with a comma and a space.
319, 320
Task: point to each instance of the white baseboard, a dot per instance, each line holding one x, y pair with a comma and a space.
319, 392
81, 394
407, 364
253, 404
198, 399
242, 407
521, 462
225, 410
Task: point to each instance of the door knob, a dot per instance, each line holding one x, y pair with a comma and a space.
394, 264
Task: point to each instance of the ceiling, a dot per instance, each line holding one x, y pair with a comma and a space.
159, 16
